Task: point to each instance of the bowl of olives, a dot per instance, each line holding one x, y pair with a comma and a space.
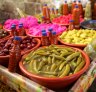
26, 45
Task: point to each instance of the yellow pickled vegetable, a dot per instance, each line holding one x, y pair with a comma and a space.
82, 36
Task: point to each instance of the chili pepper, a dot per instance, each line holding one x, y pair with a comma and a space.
66, 72
62, 65
42, 63
49, 73
79, 60
53, 67
70, 57
80, 66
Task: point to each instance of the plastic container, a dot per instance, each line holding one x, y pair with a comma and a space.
52, 11
54, 38
56, 11
73, 5
43, 19
44, 39
71, 25
76, 17
15, 55
13, 30
50, 33
21, 30
65, 8
80, 7
46, 13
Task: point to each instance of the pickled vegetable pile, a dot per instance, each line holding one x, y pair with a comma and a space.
78, 36
26, 44
28, 22
3, 33
36, 30
39, 17
54, 61
64, 20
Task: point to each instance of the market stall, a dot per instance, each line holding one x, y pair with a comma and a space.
52, 51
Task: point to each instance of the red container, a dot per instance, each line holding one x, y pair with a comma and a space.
5, 59
81, 46
57, 83
39, 37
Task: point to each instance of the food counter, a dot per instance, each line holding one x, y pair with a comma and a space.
66, 64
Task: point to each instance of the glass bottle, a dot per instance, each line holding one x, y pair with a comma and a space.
88, 11
94, 11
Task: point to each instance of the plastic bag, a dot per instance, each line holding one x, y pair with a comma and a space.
91, 49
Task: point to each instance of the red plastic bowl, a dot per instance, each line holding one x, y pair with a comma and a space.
56, 83
5, 59
61, 24
64, 20
6, 29
81, 46
27, 33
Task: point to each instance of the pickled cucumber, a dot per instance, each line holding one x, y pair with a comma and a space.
54, 61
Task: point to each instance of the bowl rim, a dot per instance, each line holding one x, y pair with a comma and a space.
73, 45
24, 52
29, 74
27, 33
61, 24
8, 30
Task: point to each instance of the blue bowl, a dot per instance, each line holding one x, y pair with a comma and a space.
89, 24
